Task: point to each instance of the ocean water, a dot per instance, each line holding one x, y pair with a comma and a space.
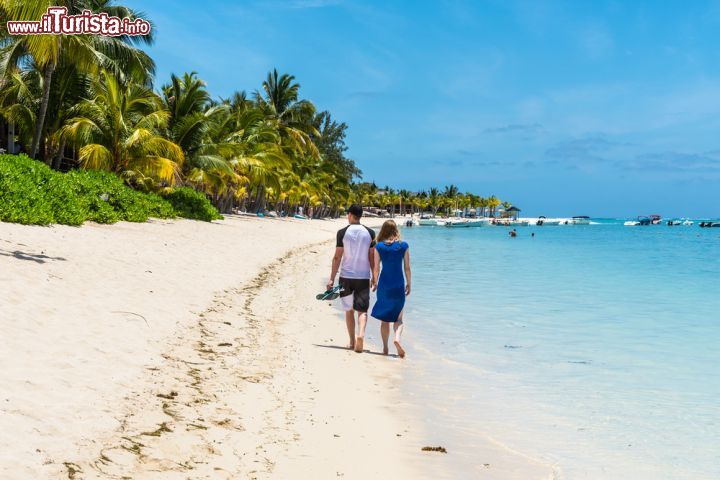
595, 349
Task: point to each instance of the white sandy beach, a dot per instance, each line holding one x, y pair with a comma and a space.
181, 349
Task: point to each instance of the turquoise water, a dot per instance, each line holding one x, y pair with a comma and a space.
592, 348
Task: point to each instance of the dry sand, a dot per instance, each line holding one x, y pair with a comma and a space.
180, 349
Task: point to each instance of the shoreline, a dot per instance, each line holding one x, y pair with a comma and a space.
125, 362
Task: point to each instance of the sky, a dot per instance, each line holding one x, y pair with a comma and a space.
600, 108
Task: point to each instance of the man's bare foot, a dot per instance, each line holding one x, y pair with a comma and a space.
351, 346
386, 350
400, 349
359, 344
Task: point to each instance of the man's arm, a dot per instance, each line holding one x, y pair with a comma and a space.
372, 258
335, 266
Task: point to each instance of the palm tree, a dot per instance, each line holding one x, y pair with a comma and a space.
482, 204
404, 197
118, 129
450, 194
293, 116
434, 199
196, 125
19, 97
87, 53
493, 202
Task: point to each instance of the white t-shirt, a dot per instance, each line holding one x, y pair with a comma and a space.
356, 241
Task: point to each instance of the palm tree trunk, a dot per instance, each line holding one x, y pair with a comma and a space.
57, 160
40, 121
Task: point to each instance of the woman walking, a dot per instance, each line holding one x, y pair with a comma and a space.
392, 288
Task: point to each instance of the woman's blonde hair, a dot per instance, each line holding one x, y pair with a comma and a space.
388, 231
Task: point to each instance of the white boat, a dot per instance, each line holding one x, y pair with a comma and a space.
518, 223
428, 222
679, 221
479, 222
458, 223
631, 223
580, 220
544, 221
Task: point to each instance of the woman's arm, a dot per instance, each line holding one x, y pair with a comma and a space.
408, 275
375, 270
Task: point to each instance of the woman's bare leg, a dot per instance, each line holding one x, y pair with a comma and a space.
385, 334
398, 328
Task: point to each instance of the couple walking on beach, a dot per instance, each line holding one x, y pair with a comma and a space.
359, 258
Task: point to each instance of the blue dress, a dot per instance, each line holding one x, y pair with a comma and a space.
391, 286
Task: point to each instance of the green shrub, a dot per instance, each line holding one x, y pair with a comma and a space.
32, 193
189, 203
108, 200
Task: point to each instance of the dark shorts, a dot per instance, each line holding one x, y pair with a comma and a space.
360, 291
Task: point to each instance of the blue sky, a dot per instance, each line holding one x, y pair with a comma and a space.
604, 108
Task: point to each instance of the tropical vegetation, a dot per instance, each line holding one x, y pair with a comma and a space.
90, 103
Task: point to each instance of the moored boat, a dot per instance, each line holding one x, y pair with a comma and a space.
428, 222
458, 223
519, 223
479, 222
544, 221
580, 220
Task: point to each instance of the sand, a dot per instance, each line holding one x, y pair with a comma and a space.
181, 349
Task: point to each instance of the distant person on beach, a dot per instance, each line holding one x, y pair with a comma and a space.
392, 288
354, 254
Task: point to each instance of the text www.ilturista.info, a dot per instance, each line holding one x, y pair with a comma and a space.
56, 21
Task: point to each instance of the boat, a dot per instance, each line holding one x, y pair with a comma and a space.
544, 221
709, 224
687, 222
631, 223
479, 222
648, 220
428, 222
674, 222
519, 223
458, 223
580, 220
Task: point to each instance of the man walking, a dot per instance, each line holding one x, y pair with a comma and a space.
354, 252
